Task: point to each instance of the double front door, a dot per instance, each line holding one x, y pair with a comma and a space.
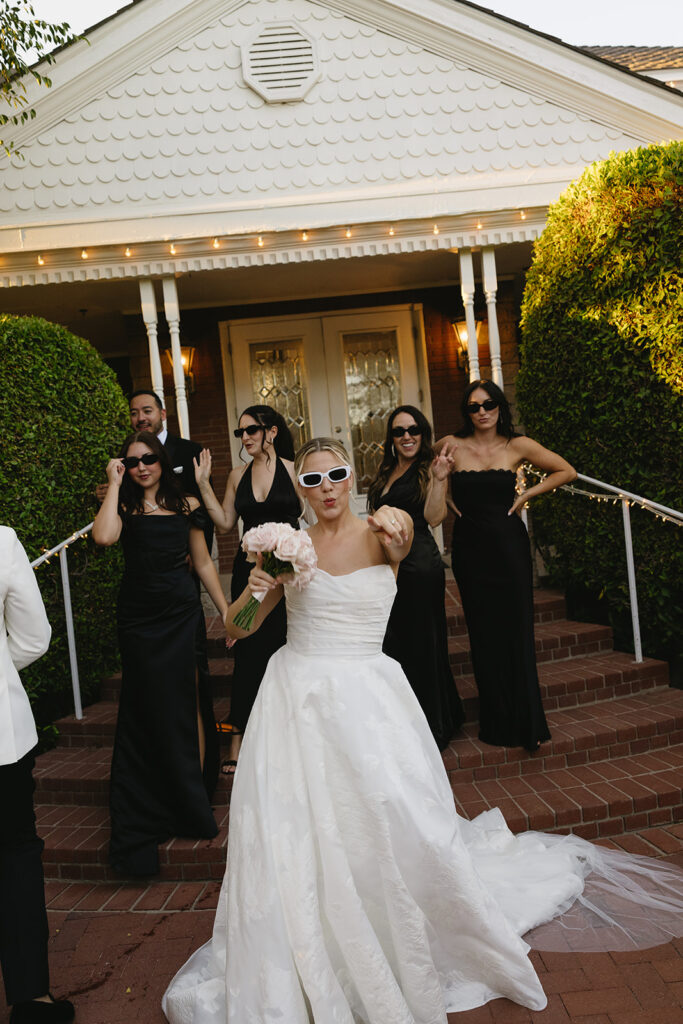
337, 375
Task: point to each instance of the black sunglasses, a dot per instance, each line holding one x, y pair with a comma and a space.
132, 461
489, 405
252, 429
413, 430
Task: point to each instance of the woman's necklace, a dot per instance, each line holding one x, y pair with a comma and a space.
152, 507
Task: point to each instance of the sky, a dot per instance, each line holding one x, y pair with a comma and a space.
581, 22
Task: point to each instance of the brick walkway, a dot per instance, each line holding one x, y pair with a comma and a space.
115, 947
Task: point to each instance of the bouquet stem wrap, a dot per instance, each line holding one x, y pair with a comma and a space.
286, 552
274, 567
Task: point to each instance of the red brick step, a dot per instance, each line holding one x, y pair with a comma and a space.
628, 725
606, 798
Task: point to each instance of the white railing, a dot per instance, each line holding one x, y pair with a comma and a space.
60, 551
627, 498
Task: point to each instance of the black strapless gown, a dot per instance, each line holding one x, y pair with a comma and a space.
253, 653
157, 786
416, 633
492, 566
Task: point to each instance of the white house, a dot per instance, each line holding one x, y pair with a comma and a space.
320, 198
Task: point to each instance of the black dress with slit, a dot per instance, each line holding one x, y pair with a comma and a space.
416, 633
252, 654
158, 789
492, 567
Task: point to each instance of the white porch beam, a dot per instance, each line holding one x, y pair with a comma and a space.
149, 315
467, 293
172, 312
488, 263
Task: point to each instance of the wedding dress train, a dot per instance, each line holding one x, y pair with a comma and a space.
354, 893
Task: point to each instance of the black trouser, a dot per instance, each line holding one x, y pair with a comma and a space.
23, 919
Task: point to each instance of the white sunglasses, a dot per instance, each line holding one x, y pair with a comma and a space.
334, 475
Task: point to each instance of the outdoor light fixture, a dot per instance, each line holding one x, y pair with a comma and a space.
462, 340
187, 357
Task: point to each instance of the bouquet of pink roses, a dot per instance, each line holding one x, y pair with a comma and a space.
285, 551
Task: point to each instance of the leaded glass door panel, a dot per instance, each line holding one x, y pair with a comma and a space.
372, 358
279, 363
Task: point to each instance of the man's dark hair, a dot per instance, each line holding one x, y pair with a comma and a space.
147, 391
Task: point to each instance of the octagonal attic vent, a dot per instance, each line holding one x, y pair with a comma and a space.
279, 62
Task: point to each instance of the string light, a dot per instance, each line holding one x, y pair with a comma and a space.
128, 252
348, 232
260, 241
392, 232
41, 261
522, 214
78, 535
172, 249
479, 225
216, 244
84, 254
304, 236
608, 499
435, 229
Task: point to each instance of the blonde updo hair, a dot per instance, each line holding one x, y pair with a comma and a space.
321, 444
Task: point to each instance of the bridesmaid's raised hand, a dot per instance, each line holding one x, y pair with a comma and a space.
115, 472
202, 467
444, 463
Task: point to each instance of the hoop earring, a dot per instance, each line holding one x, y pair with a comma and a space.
393, 450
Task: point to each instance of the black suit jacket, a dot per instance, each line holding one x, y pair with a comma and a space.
181, 454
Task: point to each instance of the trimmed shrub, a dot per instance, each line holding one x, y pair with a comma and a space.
62, 415
602, 379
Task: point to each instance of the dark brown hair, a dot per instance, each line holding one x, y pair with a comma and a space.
169, 495
423, 459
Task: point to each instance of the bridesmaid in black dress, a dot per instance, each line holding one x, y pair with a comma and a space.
492, 563
158, 788
263, 491
412, 479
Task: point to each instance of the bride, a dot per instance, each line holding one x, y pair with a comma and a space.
354, 893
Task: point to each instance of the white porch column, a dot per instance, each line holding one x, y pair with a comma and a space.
149, 315
172, 312
467, 292
488, 262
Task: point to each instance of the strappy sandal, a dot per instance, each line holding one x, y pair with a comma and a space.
228, 768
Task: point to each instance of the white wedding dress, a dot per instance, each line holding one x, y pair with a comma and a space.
354, 892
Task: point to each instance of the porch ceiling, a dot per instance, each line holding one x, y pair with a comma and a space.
80, 303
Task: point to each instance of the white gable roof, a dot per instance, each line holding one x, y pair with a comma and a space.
152, 131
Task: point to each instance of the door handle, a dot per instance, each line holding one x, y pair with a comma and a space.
337, 430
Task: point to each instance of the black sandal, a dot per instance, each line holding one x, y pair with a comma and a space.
231, 766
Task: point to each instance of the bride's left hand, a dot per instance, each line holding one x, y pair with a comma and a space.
391, 524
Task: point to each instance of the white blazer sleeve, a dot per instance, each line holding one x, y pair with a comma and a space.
28, 630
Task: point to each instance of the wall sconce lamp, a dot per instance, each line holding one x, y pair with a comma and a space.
187, 357
461, 342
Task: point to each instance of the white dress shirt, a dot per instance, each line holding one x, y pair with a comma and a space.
24, 636
162, 435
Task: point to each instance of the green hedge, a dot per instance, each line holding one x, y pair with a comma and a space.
62, 414
602, 379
